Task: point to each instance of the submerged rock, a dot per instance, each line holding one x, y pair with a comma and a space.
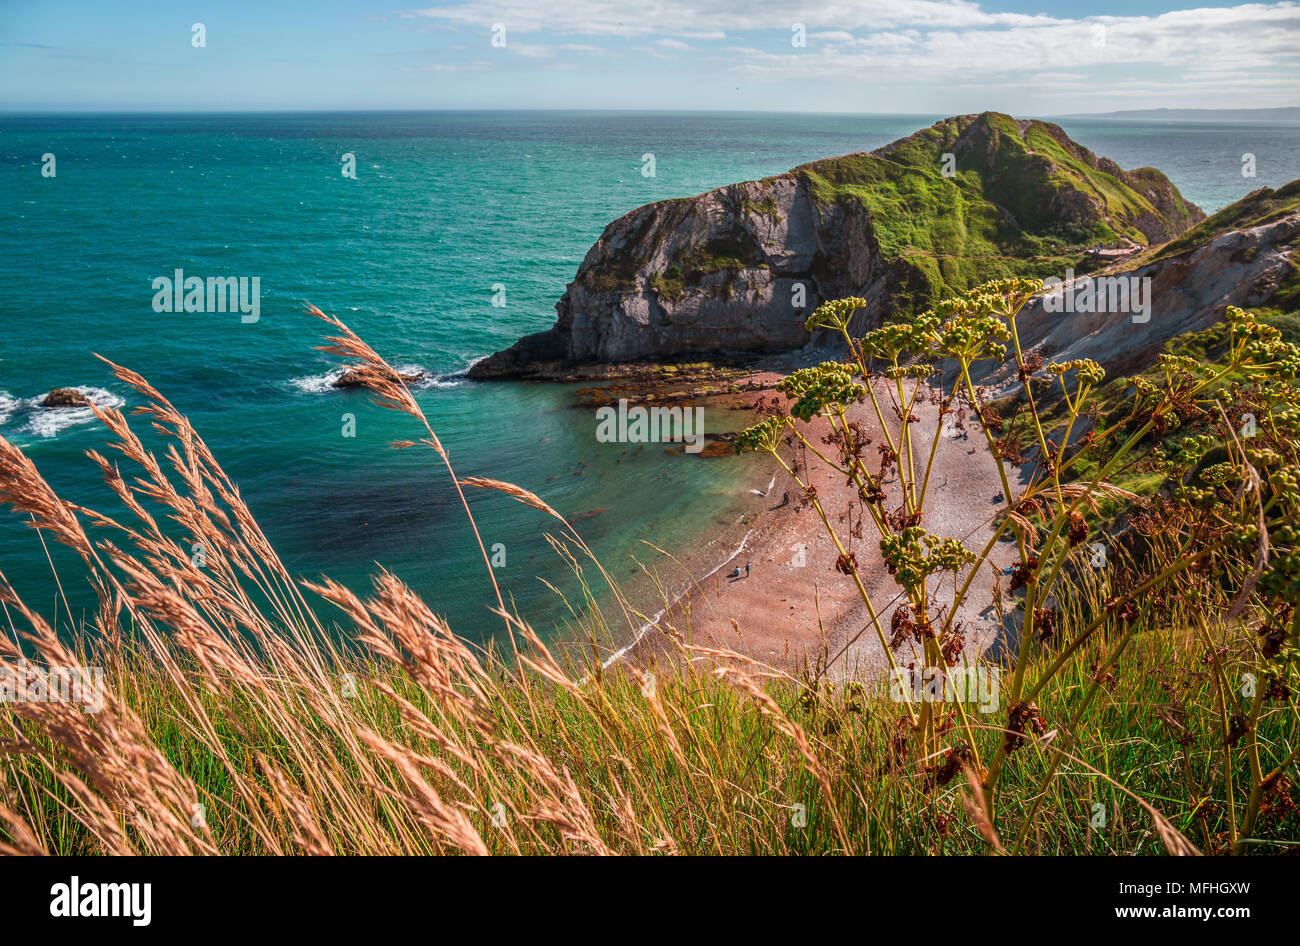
65, 397
352, 378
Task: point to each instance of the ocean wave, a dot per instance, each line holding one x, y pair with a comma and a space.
453, 379
9, 406
464, 372
425, 377
48, 421
317, 383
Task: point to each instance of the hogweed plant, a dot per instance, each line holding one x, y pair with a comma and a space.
1061, 453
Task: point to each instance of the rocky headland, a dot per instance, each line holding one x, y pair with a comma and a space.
736, 271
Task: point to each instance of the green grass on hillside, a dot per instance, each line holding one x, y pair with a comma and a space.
1256, 209
1000, 215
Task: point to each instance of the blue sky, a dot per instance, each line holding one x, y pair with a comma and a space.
914, 56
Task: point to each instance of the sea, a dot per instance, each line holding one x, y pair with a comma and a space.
454, 234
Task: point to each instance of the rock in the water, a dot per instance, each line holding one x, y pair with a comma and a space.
65, 397
353, 378
739, 269
718, 448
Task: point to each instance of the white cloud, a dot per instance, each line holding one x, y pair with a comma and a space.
1265, 36
916, 42
713, 18
551, 50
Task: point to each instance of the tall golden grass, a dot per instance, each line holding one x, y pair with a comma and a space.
400, 740
239, 720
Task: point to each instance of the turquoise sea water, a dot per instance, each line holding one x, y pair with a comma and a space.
444, 207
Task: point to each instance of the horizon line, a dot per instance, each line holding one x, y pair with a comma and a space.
6, 111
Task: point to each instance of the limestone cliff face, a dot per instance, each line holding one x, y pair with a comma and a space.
740, 268
737, 269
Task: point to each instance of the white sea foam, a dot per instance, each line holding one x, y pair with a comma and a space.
465, 371
317, 383
455, 378
48, 421
415, 369
9, 406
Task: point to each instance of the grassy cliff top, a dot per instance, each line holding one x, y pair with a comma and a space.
978, 197
1021, 179
1255, 209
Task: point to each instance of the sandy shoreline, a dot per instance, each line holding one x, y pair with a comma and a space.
793, 608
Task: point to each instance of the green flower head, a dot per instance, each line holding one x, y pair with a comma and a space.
890, 342
971, 338
1173, 365
763, 437
1002, 298
1086, 370
835, 315
821, 385
914, 554
1274, 358
919, 370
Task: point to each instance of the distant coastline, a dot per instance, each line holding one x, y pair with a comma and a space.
1289, 113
